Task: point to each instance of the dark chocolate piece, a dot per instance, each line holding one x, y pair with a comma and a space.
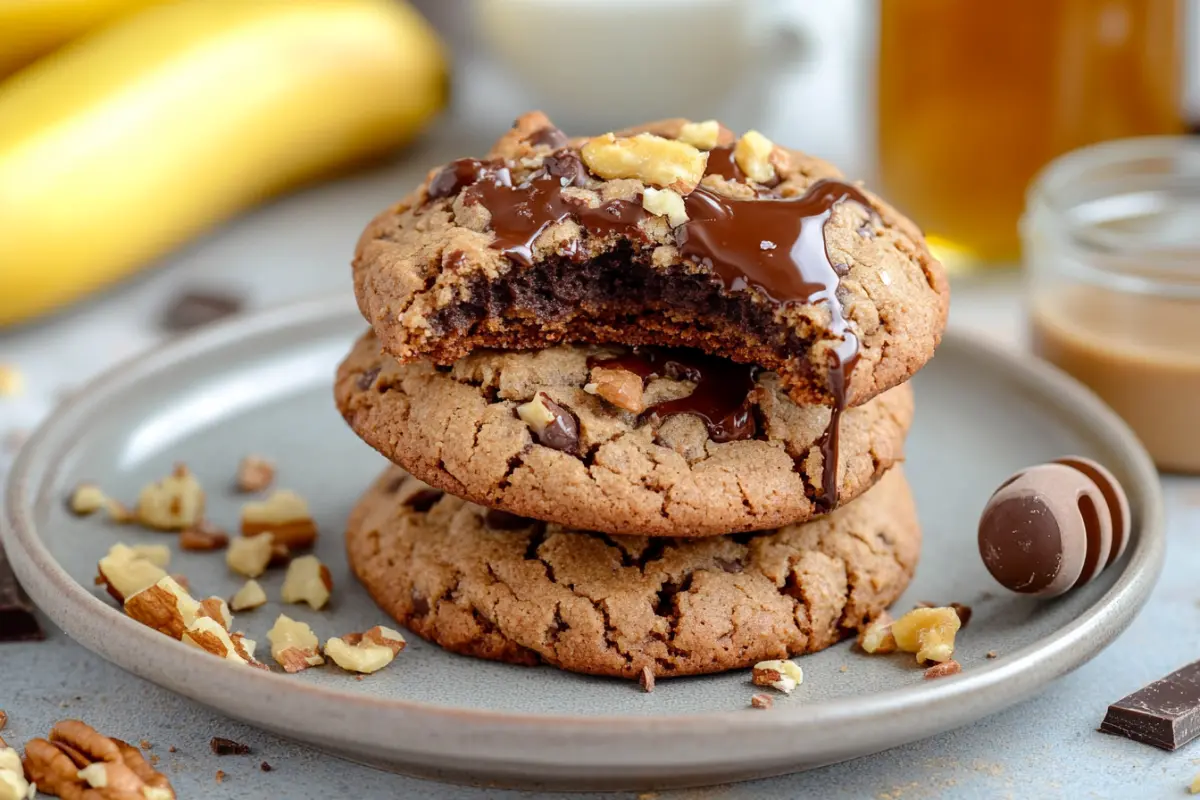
561, 434
17, 620
504, 521
198, 307
722, 398
1165, 713
550, 137
228, 747
367, 379
423, 499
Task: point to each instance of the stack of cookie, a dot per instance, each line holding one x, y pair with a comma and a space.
645, 393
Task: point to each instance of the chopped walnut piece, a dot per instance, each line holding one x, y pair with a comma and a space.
88, 498
928, 632
992, 654
701, 135
174, 503
665, 203
365, 652
124, 572
622, 388
217, 609
203, 537
646, 679
250, 555
157, 554
285, 515
877, 636
761, 701
651, 159
251, 595
781, 675
307, 581
13, 785
294, 645
753, 155
207, 634
165, 606
943, 669
254, 474
79, 763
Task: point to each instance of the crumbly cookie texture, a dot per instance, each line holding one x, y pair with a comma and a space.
466, 430
489, 585
448, 270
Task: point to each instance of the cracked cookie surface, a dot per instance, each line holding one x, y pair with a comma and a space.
460, 429
490, 585
530, 247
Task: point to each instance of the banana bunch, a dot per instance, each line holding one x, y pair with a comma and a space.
126, 143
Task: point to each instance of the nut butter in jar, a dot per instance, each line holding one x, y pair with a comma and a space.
1111, 239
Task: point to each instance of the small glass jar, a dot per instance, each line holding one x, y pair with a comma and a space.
1111, 238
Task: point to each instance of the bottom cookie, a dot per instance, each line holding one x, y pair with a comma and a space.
492, 585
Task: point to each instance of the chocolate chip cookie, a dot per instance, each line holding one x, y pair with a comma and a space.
491, 585
647, 441
675, 233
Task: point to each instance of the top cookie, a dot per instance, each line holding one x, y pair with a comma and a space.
673, 233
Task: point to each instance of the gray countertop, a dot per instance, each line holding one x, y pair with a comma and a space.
1047, 747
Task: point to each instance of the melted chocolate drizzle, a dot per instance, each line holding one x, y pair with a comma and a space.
777, 246
520, 213
721, 399
772, 244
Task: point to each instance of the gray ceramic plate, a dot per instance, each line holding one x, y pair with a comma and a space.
262, 385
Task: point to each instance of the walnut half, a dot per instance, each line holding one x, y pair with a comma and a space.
79, 762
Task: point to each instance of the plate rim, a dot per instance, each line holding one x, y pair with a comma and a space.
1006, 681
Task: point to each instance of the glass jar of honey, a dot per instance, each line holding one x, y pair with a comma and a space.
974, 98
1112, 247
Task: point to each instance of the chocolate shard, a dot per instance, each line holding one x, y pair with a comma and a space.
17, 620
1164, 714
197, 307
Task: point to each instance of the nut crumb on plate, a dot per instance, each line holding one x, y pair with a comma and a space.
877, 636
250, 555
365, 652
307, 581
783, 676
285, 515
265, 767
647, 679
173, 503
254, 474
761, 701
943, 669
964, 614
220, 776
928, 632
251, 595
294, 646
202, 537
992, 654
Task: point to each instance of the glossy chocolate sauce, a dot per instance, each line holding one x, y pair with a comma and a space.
457, 175
720, 162
777, 246
722, 395
520, 213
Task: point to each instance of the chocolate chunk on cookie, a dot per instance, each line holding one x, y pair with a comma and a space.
646, 441
617, 605
675, 234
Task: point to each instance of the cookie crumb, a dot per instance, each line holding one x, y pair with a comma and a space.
761, 701
12, 382
943, 669
265, 767
145, 744
964, 614
254, 474
172, 749
992, 654
220, 776
154, 760
647, 680
228, 747
843, 668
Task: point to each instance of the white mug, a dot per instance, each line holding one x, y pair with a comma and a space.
601, 64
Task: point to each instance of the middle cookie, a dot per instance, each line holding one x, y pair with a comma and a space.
650, 442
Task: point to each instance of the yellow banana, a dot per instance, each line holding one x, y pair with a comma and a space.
125, 144
29, 28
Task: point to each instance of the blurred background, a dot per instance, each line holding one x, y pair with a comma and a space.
165, 163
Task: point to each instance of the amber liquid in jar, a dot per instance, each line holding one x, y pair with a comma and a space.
974, 98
